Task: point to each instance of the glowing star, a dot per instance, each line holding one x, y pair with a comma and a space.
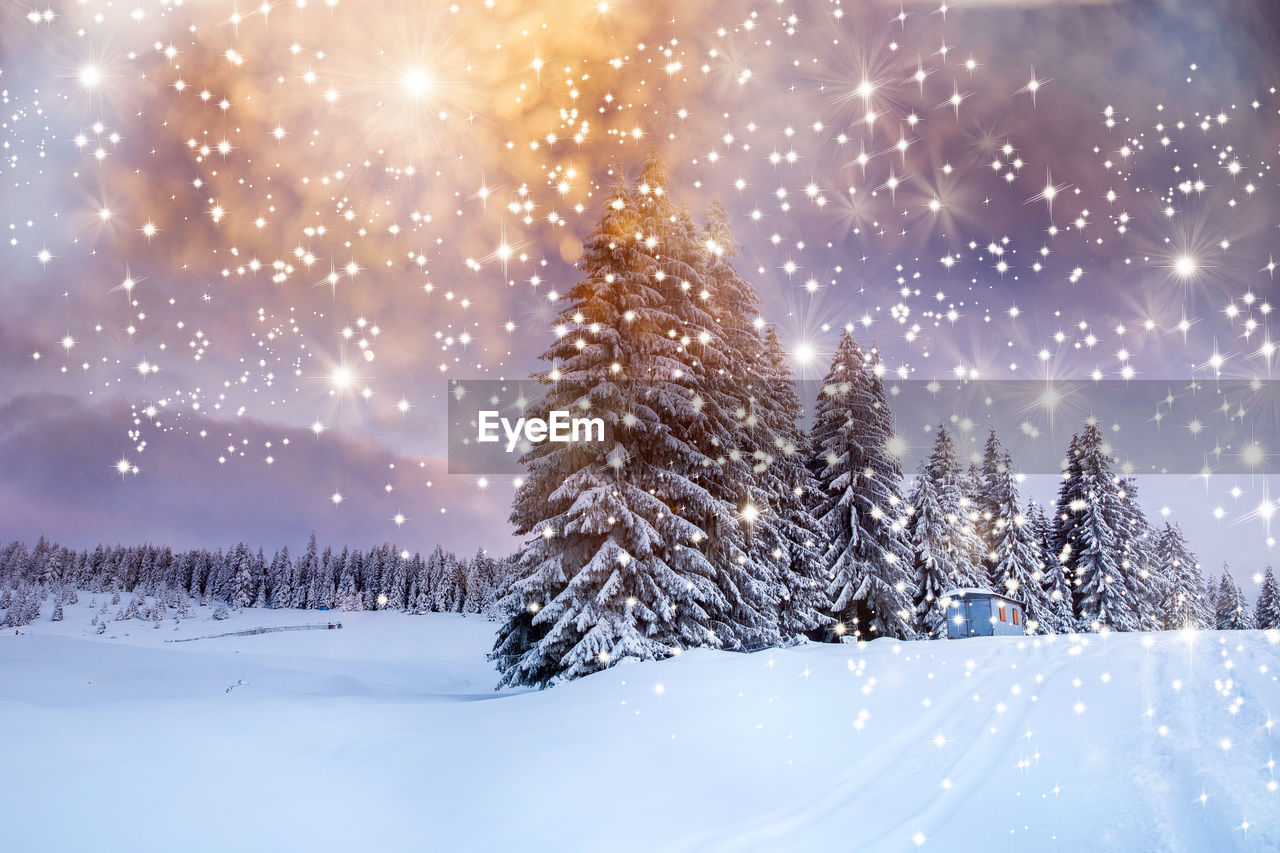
90, 76
418, 82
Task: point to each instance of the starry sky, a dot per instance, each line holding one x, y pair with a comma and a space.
246, 247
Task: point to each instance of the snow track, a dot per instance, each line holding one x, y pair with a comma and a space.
371, 738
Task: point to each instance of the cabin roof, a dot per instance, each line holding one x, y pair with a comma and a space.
970, 590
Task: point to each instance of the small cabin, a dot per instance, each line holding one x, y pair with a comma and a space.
982, 613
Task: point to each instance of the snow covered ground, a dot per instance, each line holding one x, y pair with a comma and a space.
388, 735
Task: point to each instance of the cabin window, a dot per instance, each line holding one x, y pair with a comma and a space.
1002, 614
1015, 616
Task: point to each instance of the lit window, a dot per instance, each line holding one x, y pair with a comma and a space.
1003, 615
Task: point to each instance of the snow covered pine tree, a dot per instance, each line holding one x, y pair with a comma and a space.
1185, 605
1266, 613
1229, 606
1087, 542
857, 503
616, 565
1013, 557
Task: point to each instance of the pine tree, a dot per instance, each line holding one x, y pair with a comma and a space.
714, 309
857, 502
322, 590
1184, 604
1087, 543
398, 582
420, 586
933, 562
259, 579
1137, 542
305, 574
1014, 557
1057, 590
1266, 613
614, 566
240, 573
482, 574
780, 462
1229, 607
348, 598
281, 580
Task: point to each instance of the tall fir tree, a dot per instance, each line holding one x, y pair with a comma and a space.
1061, 617
1184, 604
1230, 610
614, 566
1014, 558
1087, 542
959, 510
933, 561
281, 574
780, 457
240, 591
1137, 543
858, 504
1266, 613
307, 569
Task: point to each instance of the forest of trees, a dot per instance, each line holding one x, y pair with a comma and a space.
711, 519
383, 578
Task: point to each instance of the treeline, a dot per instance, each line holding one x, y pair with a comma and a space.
382, 578
712, 519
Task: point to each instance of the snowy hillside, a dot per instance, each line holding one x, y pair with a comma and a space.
387, 734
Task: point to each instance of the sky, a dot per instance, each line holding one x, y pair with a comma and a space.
246, 247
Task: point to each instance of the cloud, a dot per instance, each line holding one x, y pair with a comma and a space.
57, 478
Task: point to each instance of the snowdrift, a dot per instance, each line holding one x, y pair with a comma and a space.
388, 734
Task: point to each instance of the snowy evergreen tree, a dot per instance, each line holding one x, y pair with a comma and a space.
1266, 612
305, 574
716, 312
933, 562
420, 586
1014, 557
763, 473
259, 580
1057, 590
857, 502
280, 576
397, 585
955, 488
780, 462
348, 598
1230, 610
1184, 604
322, 592
481, 575
1086, 541
942, 535
614, 567
1137, 543
239, 587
